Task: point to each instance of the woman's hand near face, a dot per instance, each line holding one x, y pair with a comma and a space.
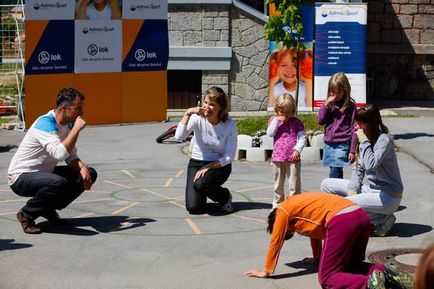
199, 110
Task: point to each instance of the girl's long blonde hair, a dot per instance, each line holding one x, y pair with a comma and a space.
340, 82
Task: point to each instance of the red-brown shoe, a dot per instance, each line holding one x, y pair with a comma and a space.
28, 225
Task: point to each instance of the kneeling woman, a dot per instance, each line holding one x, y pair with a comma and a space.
377, 161
215, 135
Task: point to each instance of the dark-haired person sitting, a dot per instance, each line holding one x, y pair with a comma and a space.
33, 171
345, 229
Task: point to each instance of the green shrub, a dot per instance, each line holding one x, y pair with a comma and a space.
251, 125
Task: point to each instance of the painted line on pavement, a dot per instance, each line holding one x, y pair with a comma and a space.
157, 194
117, 184
94, 200
248, 218
179, 173
176, 204
84, 215
193, 226
129, 174
254, 189
168, 183
124, 208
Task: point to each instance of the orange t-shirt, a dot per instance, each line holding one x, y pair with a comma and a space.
307, 214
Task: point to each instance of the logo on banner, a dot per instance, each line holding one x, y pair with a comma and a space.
142, 7
48, 5
140, 55
44, 57
86, 30
93, 49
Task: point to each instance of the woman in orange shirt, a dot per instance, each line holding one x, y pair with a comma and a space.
345, 229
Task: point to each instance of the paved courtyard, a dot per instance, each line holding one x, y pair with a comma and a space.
132, 230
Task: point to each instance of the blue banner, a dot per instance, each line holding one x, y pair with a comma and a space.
150, 50
54, 52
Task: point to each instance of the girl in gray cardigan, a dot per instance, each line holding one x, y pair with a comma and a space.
381, 194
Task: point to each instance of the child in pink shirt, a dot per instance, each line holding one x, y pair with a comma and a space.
289, 138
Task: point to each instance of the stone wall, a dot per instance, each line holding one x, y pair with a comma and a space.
225, 26
199, 25
249, 67
401, 49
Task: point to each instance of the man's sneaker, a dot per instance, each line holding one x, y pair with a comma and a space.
53, 217
28, 224
227, 207
376, 280
397, 277
381, 230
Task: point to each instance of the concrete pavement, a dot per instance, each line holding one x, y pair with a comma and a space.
131, 230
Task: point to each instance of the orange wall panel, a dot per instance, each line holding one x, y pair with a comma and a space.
41, 93
144, 96
103, 96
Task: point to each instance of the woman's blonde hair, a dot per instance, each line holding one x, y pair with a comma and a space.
340, 82
218, 95
285, 103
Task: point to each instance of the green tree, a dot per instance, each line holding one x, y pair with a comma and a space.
276, 29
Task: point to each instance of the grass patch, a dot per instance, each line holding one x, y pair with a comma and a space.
251, 125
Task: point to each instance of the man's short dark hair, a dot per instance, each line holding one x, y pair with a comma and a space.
67, 95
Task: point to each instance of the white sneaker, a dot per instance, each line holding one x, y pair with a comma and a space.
381, 230
227, 207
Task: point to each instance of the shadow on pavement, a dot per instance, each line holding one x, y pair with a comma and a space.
409, 229
411, 135
105, 224
9, 244
213, 209
307, 269
7, 148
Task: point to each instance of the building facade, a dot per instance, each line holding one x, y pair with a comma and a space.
221, 42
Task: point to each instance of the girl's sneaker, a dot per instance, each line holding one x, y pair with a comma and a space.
397, 277
376, 280
381, 230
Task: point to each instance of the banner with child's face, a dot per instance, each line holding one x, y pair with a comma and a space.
283, 64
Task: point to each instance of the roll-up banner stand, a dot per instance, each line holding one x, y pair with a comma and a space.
116, 55
340, 46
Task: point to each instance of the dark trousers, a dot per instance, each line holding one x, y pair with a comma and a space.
336, 172
49, 191
210, 185
341, 265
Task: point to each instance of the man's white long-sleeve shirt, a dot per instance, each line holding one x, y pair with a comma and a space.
41, 149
